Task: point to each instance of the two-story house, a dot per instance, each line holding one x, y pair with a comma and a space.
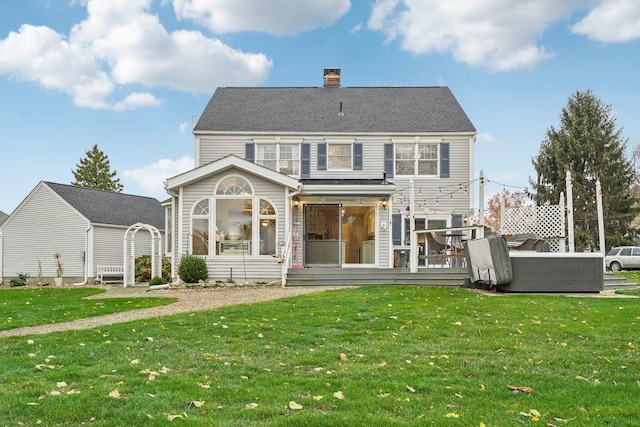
325, 171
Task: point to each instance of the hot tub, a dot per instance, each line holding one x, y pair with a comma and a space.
555, 272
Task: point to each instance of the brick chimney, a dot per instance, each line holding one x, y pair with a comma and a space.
332, 77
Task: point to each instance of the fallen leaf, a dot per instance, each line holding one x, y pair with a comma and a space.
61, 384
338, 395
343, 357
196, 403
173, 417
411, 389
295, 406
452, 415
114, 393
251, 406
534, 413
520, 388
319, 397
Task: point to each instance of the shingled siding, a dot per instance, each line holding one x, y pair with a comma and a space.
42, 226
252, 267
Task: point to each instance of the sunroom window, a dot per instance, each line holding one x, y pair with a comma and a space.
267, 219
234, 217
200, 228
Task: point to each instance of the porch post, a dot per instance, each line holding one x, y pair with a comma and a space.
570, 231
603, 249
413, 244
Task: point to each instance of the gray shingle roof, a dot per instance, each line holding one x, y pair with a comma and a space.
316, 109
105, 207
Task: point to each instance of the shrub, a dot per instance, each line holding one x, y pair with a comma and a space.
192, 269
19, 280
143, 268
158, 281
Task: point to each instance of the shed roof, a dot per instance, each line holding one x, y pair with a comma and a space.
107, 207
334, 109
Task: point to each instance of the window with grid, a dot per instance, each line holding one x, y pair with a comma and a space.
339, 156
416, 159
284, 158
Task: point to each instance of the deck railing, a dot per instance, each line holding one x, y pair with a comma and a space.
285, 259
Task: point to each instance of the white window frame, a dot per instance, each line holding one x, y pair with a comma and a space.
278, 161
329, 155
416, 158
206, 216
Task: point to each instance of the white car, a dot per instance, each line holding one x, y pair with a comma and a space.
623, 258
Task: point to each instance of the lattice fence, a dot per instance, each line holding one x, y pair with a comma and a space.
547, 222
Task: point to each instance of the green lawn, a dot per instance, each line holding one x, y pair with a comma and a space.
38, 306
370, 356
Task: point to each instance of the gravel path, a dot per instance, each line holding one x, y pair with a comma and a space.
189, 299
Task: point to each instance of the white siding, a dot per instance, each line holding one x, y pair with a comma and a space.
214, 148
252, 267
43, 225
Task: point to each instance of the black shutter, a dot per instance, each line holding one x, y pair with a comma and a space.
357, 157
444, 160
396, 229
322, 156
388, 160
250, 151
305, 161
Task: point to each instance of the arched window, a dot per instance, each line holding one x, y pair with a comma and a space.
267, 219
234, 217
200, 228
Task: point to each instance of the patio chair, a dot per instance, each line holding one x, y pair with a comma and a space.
534, 245
435, 247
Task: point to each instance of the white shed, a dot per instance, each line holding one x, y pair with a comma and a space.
85, 226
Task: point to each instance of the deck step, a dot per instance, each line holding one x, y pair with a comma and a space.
612, 282
374, 276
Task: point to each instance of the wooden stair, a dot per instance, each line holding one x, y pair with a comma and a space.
328, 276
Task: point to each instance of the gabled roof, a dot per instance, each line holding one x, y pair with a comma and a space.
106, 207
3, 217
225, 163
318, 109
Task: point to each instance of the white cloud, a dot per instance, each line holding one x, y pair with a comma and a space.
611, 21
184, 127
279, 17
485, 136
496, 34
121, 43
150, 177
39, 54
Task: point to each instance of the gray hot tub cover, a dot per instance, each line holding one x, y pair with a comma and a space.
488, 261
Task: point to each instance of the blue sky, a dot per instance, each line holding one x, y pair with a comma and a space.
129, 75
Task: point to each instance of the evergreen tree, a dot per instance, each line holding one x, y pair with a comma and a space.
94, 171
589, 146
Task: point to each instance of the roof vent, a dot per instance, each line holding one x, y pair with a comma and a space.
332, 77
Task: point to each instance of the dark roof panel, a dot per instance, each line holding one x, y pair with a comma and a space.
338, 109
106, 207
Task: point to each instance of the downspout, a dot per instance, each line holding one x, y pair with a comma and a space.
85, 261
